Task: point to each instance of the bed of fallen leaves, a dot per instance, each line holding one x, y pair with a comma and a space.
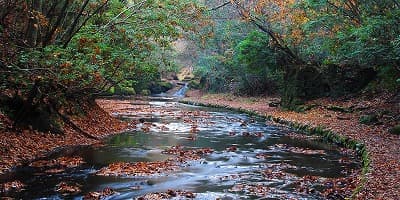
383, 177
103, 194
170, 194
67, 189
21, 146
137, 168
68, 162
307, 151
13, 186
183, 155
180, 156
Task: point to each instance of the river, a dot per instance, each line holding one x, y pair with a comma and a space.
245, 158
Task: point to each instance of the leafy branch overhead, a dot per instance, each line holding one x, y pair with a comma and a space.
53, 52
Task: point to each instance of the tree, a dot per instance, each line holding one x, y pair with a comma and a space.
56, 54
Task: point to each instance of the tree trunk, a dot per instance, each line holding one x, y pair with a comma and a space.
32, 26
50, 34
70, 32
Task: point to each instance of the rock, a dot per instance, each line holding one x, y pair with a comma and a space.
274, 103
160, 87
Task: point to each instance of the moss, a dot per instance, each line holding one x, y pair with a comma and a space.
122, 91
112, 90
339, 109
160, 87
145, 92
395, 130
368, 119
195, 84
128, 91
304, 108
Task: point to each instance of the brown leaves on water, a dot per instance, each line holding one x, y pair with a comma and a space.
383, 180
181, 155
231, 149
187, 154
333, 188
299, 150
137, 169
106, 192
170, 194
14, 186
68, 189
68, 162
252, 189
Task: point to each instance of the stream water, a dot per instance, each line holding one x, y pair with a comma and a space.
251, 159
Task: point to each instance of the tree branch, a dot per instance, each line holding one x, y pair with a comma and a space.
279, 43
220, 6
70, 31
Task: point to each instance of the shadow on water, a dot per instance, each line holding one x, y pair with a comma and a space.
263, 155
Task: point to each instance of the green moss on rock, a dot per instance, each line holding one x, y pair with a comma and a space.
395, 130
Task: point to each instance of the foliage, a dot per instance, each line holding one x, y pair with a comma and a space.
216, 61
56, 52
255, 53
355, 38
259, 61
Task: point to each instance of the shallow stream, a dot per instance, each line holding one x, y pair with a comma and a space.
251, 159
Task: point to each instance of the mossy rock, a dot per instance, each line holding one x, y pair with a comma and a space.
395, 130
160, 87
368, 119
194, 84
165, 84
145, 92
304, 108
124, 91
339, 109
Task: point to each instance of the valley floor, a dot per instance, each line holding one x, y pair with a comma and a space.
383, 176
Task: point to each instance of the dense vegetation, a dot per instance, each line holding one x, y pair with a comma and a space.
57, 54
305, 49
54, 53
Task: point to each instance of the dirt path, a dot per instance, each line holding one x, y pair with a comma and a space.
383, 176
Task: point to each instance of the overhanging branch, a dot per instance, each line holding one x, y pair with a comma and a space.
220, 6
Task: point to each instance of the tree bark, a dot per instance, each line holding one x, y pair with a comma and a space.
32, 25
50, 35
70, 31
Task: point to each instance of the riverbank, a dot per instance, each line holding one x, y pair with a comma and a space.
341, 116
21, 146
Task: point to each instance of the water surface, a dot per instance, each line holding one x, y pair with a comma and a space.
248, 153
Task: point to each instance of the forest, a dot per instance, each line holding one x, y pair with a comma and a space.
57, 58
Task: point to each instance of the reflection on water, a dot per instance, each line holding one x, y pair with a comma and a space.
262, 155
